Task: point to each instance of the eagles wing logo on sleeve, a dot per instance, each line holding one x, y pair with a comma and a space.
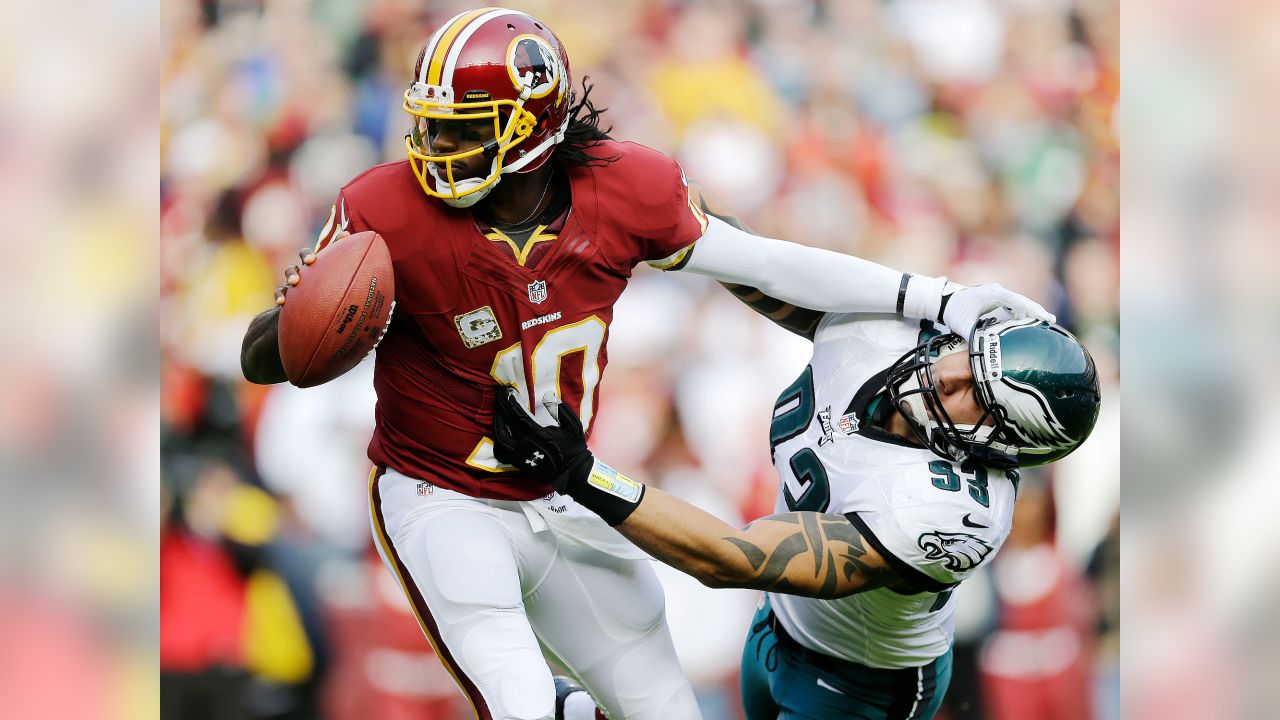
959, 551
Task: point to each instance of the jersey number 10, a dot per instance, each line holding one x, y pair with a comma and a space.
585, 336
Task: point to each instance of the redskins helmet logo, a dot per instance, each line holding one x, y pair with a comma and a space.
534, 66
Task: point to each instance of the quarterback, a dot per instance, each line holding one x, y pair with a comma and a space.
514, 224
898, 479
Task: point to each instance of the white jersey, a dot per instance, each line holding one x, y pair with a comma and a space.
933, 522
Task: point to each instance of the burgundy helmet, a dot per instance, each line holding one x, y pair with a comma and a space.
506, 76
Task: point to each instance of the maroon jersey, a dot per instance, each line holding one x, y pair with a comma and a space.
470, 317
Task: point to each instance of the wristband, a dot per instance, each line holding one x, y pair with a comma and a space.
604, 491
902, 292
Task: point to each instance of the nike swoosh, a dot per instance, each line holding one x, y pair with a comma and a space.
969, 523
823, 684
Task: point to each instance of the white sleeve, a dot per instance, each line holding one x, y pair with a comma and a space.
811, 278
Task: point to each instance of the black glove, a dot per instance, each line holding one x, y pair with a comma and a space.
551, 452
558, 454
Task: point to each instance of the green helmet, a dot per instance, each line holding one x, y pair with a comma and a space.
1036, 382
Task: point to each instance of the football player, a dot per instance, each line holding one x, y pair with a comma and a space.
513, 224
898, 479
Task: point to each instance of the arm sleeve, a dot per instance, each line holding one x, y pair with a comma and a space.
811, 278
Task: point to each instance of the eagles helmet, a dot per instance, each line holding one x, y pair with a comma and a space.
1037, 385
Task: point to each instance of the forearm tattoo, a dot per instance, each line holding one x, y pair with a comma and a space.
798, 320
838, 554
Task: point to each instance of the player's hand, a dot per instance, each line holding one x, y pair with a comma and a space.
293, 273
968, 304
555, 453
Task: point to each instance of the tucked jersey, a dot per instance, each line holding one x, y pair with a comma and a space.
933, 521
470, 318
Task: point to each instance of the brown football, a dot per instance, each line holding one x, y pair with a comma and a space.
338, 310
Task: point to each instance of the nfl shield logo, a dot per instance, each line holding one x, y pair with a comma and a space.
537, 291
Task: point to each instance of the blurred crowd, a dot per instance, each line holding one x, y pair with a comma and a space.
971, 138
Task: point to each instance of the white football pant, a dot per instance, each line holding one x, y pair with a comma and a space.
492, 594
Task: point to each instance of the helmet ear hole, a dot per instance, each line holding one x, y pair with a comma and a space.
1064, 393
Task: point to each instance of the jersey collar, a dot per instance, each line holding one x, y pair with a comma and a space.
868, 406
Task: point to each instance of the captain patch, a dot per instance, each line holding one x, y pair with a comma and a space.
478, 327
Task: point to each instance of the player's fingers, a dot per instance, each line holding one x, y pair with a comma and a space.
551, 402
502, 403
1022, 307
280, 291
291, 274
1041, 314
502, 435
1001, 314
562, 414
568, 419
512, 409
307, 255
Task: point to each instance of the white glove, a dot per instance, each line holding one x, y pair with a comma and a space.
966, 305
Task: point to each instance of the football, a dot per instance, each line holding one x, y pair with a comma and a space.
338, 310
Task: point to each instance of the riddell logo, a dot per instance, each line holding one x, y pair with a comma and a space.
993, 358
351, 315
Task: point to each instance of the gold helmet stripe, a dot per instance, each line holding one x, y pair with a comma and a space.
441, 50
430, 49
451, 60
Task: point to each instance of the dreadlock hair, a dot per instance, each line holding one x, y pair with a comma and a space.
583, 133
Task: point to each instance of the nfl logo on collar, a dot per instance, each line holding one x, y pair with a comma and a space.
537, 292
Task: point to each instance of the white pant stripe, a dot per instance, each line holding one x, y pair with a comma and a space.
919, 692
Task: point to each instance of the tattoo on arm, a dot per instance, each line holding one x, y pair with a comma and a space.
801, 321
839, 558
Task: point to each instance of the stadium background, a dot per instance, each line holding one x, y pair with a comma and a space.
971, 138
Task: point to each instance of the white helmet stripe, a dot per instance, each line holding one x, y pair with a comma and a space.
432, 43
451, 61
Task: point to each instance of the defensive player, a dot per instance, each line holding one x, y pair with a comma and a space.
897, 480
513, 225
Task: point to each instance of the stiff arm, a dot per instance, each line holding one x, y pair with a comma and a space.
801, 321
798, 553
